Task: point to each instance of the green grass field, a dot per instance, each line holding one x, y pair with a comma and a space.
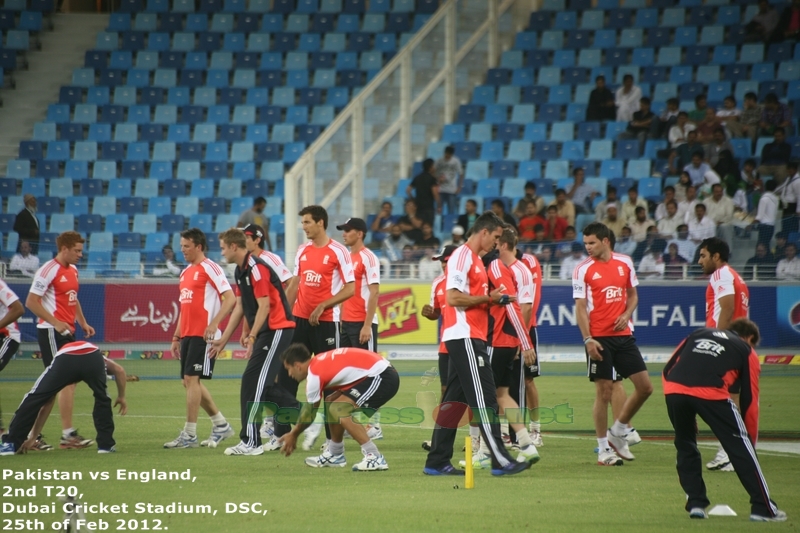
565, 491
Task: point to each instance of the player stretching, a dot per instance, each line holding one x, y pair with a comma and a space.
359, 317
359, 379
696, 382
727, 298
508, 335
323, 279
466, 324
10, 310
261, 301
527, 386
53, 298
604, 288
206, 298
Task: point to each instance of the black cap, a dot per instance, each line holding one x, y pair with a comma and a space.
446, 253
254, 230
353, 223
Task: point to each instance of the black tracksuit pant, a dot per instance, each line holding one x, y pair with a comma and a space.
724, 419
258, 382
470, 381
66, 369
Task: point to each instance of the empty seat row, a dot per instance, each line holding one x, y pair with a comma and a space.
151, 60
253, 22
30, 21
650, 17
128, 133
239, 42
278, 6
42, 6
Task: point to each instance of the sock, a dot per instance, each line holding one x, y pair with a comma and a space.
218, 419
190, 428
602, 444
619, 429
474, 431
504, 428
524, 438
484, 447
369, 447
67, 432
536, 426
336, 448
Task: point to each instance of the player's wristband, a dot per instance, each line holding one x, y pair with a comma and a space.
251, 337
587, 339
505, 299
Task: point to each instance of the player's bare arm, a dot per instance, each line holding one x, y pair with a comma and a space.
726, 308
372, 307
633, 300
347, 291
593, 347
307, 414
88, 330
258, 322
34, 303
175, 346
228, 301
291, 290
121, 380
236, 318
456, 298
15, 310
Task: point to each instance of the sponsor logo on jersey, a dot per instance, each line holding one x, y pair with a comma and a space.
458, 279
720, 334
355, 263
72, 297
613, 294
596, 276
186, 295
331, 341
198, 368
708, 347
40, 286
621, 271
196, 276
325, 259
63, 279
313, 279
477, 269
303, 258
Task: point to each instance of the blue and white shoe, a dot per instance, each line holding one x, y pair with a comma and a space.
371, 463
267, 428
184, 440
244, 449
511, 468
446, 470
8, 448
327, 459
272, 444
780, 516
218, 434
113, 449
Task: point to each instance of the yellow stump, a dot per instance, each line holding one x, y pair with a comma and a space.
469, 474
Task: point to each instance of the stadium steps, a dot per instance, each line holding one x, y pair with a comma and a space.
51, 67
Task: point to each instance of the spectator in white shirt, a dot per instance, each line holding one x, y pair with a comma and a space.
167, 266
697, 168
625, 245
661, 209
729, 113
581, 194
789, 193
611, 198
686, 248
630, 205
569, 263
767, 214
668, 225
23, 263
428, 269
789, 267
719, 208
652, 264
701, 227
687, 206
640, 224
627, 99
679, 132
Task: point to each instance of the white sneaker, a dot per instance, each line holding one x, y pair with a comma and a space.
267, 429
620, 446
633, 437
536, 437
272, 444
528, 453
727, 468
607, 457
244, 449
184, 440
310, 436
218, 434
719, 461
326, 459
374, 433
480, 461
780, 516
371, 463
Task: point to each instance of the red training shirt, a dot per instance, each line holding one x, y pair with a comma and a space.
58, 287
322, 273
201, 286
340, 369
723, 282
466, 273
605, 288
367, 271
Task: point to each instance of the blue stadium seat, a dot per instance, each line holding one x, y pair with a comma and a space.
131, 205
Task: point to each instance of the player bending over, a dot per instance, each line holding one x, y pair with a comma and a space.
353, 379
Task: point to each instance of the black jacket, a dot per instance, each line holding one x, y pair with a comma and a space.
27, 226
